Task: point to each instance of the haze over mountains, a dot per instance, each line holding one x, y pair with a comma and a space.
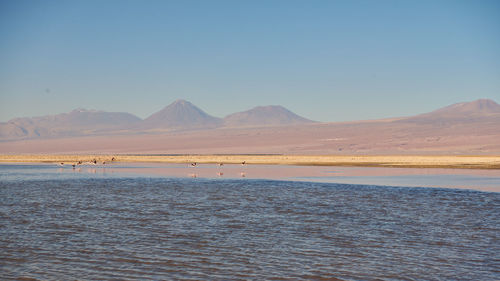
462, 128
179, 115
76, 122
475, 111
264, 116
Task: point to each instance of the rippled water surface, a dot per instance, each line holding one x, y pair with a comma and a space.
115, 226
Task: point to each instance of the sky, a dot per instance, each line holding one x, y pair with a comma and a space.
324, 60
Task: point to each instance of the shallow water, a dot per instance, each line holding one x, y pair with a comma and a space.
483, 180
86, 226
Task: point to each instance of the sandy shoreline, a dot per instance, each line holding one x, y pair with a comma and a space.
463, 162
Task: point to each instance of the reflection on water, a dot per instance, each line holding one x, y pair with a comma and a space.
95, 225
484, 180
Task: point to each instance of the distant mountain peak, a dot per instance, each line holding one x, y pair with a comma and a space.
269, 107
475, 107
181, 114
80, 110
463, 112
181, 102
74, 123
268, 115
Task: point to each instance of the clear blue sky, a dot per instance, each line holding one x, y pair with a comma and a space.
325, 60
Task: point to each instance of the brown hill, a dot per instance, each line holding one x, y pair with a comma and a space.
480, 106
179, 115
272, 115
482, 110
75, 123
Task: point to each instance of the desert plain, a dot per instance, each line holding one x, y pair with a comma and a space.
462, 135
402, 161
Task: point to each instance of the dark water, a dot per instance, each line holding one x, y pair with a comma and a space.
140, 228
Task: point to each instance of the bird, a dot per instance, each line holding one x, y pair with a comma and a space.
193, 164
243, 163
61, 164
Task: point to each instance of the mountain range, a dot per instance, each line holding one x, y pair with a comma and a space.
77, 122
462, 128
179, 115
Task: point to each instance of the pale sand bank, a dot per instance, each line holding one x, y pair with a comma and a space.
466, 162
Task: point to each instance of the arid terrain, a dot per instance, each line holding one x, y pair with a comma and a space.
397, 161
471, 128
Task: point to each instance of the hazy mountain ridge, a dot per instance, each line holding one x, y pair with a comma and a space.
183, 115
179, 115
481, 110
74, 123
264, 116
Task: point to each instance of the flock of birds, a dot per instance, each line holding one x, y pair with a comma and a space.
220, 164
93, 162
220, 174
